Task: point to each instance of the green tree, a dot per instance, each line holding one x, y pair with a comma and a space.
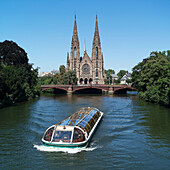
57, 78
128, 81
121, 73
18, 77
152, 78
12, 54
117, 81
62, 69
62, 72
108, 73
70, 77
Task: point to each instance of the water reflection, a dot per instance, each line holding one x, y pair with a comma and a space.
156, 125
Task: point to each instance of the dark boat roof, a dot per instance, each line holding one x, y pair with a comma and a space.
77, 117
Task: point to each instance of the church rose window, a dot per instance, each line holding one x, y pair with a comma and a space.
86, 69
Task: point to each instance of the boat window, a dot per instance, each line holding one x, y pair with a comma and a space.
83, 124
96, 116
87, 119
92, 113
88, 128
78, 136
91, 122
62, 136
48, 134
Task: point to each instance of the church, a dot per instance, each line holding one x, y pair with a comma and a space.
89, 70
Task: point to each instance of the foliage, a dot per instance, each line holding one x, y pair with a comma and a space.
62, 70
106, 81
46, 80
70, 77
108, 73
18, 77
59, 78
117, 81
12, 54
121, 73
152, 78
129, 81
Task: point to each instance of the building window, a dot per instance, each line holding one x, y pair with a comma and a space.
96, 72
74, 52
97, 53
75, 65
96, 64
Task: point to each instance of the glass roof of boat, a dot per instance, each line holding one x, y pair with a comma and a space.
77, 117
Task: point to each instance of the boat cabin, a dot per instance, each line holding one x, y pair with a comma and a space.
75, 129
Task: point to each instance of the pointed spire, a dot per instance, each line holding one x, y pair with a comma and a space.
75, 26
96, 28
75, 41
84, 46
67, 57
96, 39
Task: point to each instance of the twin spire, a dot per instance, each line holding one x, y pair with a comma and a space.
96, 39
75, 40
75, 26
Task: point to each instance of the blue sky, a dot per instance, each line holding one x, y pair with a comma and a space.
129, 29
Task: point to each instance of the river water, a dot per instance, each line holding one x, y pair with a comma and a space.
133, 134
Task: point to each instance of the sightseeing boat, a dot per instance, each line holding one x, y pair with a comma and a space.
74, 131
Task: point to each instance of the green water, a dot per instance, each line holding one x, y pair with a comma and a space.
133, 134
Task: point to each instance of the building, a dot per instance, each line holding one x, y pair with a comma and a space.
126, 77
88, 70
114, 77
51, 74
43, 74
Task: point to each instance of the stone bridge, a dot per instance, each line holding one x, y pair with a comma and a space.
69, 89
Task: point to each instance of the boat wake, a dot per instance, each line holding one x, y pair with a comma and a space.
66, 150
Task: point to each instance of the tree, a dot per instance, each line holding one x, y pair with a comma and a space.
109, 71
12, 54
62, 70
122, 73
70, 77
18, 77
117, 81
56, 78
108, 76
152, 78
128, 81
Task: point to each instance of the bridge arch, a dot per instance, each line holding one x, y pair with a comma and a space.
122, 90
88, 90
56, 90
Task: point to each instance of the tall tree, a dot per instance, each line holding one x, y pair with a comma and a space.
18, 77
152, 78
62, 69
70, 77
12, 54
121, 73
108, 73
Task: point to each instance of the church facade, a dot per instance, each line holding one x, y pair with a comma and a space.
89, 70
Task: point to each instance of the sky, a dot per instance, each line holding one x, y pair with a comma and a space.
129, 29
